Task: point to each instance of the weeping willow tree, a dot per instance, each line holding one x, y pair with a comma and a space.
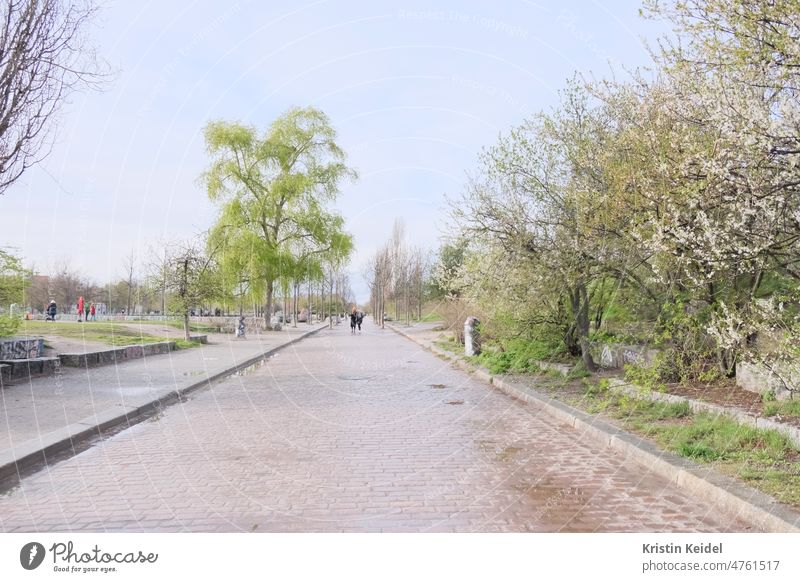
274, 192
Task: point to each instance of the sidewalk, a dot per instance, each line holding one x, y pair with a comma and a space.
740, 499
44, 416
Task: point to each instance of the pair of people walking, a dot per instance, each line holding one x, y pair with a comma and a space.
356, 317
87, 309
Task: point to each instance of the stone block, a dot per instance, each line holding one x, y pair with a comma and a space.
472, 337
21, 348
134, 352
618, 355
782, 379
562, 369
26, 368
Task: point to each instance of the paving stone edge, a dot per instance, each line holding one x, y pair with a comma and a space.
734, 497
14, 461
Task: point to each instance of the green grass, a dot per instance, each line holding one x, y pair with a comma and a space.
765, 459
519, 356
109, 333
449, 344
430, 317
178, 324
183, 344
782, 408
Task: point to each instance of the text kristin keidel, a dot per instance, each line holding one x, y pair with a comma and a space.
708, 548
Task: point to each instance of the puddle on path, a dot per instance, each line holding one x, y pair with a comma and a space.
438, 386
251, 368
350, 378
508, 453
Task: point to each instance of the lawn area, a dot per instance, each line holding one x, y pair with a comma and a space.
109, 333
178, 324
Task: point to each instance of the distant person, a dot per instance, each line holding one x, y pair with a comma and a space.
93, 312
359, 319
241, 328
80, 308
51, 311
86, 311
353, 321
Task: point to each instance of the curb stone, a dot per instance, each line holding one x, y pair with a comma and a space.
16, 460
753, 506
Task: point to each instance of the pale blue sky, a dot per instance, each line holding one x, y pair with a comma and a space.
415, 90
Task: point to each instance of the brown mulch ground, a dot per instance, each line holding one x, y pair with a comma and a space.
723, 393
727, 393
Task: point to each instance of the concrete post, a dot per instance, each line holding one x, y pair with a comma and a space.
472, 337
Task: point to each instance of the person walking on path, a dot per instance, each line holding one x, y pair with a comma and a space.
86, 311
93, 311
80, 308
359, 319
353, 320
52, 308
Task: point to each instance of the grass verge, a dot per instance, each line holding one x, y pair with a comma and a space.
764, 459
108, 333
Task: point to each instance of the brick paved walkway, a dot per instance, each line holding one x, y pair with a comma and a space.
342, 433
31, 408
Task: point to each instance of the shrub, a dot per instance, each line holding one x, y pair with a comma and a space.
9, 324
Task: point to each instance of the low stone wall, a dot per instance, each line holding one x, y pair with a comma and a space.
618, 355
781, 380
24, 368
563, 369
21, 348
113, 355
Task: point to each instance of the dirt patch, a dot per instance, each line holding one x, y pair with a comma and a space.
55, 345
724, 393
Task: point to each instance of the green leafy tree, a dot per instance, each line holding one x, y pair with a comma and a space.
190, 278
273, 191
13, 278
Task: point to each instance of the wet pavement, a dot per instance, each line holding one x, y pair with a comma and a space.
31, 408
352, 433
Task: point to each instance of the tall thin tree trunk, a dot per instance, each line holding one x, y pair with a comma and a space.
296, 289
186, 329
285, 305
383, 307
582, 322
268, 311
408, 306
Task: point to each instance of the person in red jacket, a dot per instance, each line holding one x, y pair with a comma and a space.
81, 303
93, 312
